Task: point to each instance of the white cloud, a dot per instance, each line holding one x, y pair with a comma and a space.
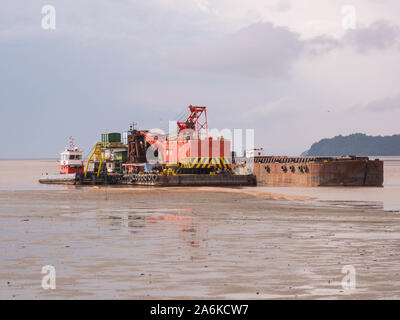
285, 68
258, 50
378, 35
384, 105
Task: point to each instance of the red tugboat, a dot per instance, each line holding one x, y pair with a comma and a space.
71, 167
71, 159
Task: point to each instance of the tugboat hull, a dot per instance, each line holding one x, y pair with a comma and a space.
58, 179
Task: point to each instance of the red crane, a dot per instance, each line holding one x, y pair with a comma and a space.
196, 121
193, 153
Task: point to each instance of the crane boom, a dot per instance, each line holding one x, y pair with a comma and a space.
196, 121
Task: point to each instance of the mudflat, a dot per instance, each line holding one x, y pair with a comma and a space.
193, 243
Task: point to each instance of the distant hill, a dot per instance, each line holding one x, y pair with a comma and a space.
357, 144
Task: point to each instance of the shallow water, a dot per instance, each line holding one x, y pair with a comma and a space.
187, 243
386, 198
24, 174
193, 242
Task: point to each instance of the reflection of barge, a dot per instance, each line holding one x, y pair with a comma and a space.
313, 171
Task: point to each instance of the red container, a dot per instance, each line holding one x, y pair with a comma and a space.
180, 151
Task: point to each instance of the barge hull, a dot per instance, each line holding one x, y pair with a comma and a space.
183, 180
201, 180
314, 172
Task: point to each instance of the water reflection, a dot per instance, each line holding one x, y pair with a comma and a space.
167, 226
366, 205
374, 205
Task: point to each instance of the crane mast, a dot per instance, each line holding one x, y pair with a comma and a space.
196, 121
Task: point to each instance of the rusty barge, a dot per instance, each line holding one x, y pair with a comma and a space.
193, 158
313, 171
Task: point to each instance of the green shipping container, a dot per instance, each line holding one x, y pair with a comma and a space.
110, 137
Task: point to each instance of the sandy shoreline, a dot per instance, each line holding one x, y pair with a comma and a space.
195, 243
250, 192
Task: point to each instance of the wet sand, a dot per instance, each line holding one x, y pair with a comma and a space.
192, 243
386, 198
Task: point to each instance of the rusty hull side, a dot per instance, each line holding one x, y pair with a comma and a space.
329, 173
200, 180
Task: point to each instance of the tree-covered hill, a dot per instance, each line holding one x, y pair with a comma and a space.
358, 144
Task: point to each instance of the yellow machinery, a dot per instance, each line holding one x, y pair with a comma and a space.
98, 155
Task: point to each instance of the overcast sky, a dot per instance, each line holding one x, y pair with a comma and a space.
294, 71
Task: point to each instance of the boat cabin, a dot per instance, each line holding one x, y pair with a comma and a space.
71, 160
